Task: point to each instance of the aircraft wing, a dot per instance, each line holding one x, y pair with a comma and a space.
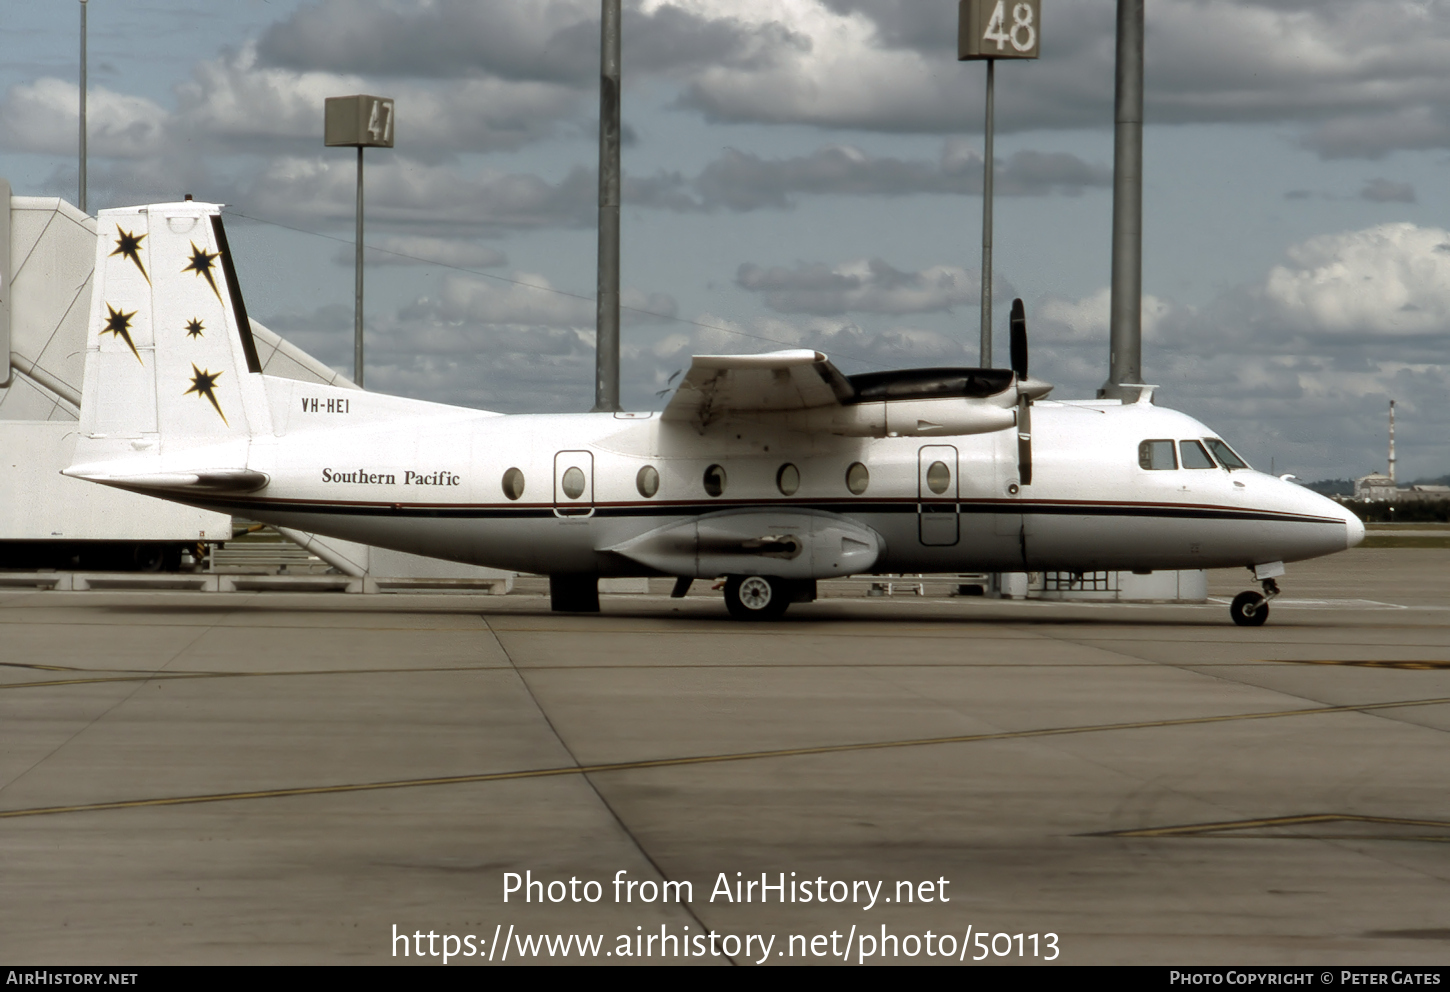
777, 382
802, 391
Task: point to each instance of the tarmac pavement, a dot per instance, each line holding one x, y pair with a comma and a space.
192, 777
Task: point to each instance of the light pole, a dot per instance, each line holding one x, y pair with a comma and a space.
1125, 321
82, 197
606, 334
988, 30
360, 122
988, 168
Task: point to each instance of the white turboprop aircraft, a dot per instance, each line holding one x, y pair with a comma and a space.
771, 470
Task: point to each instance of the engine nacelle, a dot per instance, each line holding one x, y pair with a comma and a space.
907, 415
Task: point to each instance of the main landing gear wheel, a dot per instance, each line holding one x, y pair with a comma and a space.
755, 597
1249, 609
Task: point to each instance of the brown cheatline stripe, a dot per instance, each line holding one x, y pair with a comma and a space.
1271, 821
319, 790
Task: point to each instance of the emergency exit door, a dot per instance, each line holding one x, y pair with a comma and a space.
573, 484
937, 492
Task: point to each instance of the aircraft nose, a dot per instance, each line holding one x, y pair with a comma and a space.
1353, 527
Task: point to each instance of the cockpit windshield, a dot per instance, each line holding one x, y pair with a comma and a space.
1194, 456
1226, 456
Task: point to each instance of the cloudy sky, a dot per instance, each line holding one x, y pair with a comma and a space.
801, 172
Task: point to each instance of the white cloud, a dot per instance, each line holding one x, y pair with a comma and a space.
1393, 279
1375, 135
743, 181
402, 191
865, 286
232, 104
528, 299
1299, 366
234, 98
1387, 191
547, 40
44, 116
1087, 318
1365, 76
1362, 77
397, 249
1268, 365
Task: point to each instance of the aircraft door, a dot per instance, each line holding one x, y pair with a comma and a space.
573, 484
937, 492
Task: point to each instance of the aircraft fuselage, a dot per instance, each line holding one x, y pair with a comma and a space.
562, 493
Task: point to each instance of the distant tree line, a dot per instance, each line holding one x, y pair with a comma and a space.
1383, 511
1345, 487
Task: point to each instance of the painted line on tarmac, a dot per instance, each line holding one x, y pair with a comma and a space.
182, 676
1194, 829
699, 666
321, 790
137, 675
1413, 665
237, 623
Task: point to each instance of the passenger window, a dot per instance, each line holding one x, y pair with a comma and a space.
788, 479
513, 483
1194, 456
573, 482
1157, 456
714, 480
1226, 456
857, 478
647, 481
938, 477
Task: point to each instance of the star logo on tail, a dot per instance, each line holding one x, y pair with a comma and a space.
194, 328
203, 383
118, 324
128, 245
201, 263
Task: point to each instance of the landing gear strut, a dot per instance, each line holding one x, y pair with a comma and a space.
1251, 609
574, 593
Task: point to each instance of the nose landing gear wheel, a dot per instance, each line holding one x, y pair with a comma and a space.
754, 597
1249, 609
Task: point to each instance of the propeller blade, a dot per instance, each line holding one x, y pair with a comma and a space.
1019, 339
1024, 402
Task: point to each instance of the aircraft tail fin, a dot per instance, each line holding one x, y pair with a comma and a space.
170, 359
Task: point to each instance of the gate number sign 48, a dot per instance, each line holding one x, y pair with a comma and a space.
999, 29
1022, 36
